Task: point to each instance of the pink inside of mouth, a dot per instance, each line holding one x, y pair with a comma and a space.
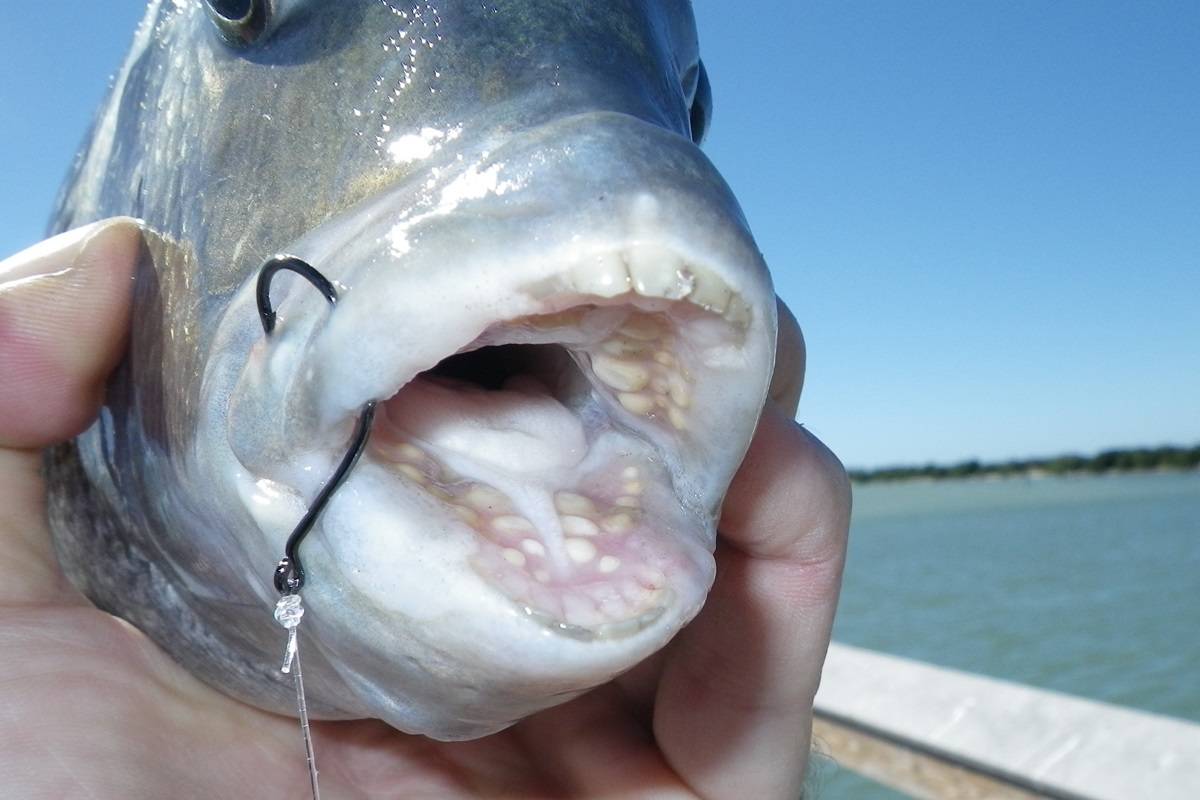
584, 535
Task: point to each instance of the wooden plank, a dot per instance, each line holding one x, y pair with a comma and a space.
915, 774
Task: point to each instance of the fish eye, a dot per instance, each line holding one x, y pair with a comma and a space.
700, 112
241, 22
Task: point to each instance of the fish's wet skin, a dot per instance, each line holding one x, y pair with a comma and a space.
548, 290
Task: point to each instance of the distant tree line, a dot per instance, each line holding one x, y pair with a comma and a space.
1131, 460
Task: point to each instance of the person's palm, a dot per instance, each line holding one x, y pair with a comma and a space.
92, 708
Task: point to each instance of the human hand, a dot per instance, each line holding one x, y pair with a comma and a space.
93, 708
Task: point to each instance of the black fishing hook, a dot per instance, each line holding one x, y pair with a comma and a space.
289, 574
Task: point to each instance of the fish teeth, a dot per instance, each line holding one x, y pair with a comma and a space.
678, 389
640, 404
533, 547
575, 504
512, 524
658, 271
579, 526
581, 551
654, 270
617, 523
604, 275
710, 292
485, 498
624, 376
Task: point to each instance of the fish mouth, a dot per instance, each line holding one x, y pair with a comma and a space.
568, 372
552, 439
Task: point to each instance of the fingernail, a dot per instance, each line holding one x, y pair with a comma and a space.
50, 256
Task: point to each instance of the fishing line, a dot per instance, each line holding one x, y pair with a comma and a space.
289, 573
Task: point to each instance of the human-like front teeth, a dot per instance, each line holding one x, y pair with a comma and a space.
653, 271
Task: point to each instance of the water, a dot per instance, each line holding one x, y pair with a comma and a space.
1086, 585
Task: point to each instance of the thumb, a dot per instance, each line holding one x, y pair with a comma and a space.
64, 310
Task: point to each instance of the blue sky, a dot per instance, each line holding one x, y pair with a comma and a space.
985, 215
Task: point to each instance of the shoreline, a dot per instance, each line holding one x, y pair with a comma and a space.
1169, 459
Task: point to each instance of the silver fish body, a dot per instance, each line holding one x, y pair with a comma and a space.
547, 287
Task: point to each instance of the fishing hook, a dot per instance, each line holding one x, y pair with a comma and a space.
289, 574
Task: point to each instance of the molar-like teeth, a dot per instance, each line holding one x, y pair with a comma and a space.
485, 498
678, 420
621, 346
510, 523
576, 504
625, 376
534, 548
635, 403
678, 389
617, 523
608, 564
412, 473
604, 275
467, 515
410, 452
581, 551
628, 501
513, 556
579, 526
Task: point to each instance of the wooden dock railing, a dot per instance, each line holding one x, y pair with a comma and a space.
943, 734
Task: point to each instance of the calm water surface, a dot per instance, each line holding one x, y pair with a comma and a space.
1084, 585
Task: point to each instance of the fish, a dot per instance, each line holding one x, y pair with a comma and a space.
544, 284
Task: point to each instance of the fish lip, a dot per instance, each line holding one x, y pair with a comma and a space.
607, 631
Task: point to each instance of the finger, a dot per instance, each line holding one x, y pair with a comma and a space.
64, 307
734, 708
63, 312
787, 380
591, 747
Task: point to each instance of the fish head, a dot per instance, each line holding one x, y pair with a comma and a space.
544, 285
